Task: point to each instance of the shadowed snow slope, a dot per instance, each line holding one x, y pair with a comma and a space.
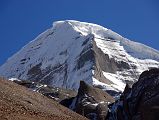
71, 51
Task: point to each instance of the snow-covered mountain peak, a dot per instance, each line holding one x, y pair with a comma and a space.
88, 28
71, 51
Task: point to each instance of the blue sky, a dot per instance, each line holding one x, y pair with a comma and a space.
22, 20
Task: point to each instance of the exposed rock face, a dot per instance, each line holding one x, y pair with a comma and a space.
91, 102
141, 102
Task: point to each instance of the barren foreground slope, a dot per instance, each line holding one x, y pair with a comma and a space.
20, 103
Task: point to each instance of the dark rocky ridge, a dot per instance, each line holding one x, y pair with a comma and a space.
55, 93
141, 102
90, 102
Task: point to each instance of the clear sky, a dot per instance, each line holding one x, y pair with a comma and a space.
22, 20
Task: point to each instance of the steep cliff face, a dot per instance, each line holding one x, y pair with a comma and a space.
90, 102
71, 51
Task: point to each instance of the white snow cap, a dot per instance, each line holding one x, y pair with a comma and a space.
88, 28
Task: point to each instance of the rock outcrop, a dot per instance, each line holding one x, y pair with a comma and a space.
141, 102
90, 102
55, 93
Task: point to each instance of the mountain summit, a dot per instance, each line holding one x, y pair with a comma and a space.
71, 51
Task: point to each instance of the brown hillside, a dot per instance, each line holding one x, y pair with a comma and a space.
20, 103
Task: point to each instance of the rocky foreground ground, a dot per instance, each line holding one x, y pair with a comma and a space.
20, 103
